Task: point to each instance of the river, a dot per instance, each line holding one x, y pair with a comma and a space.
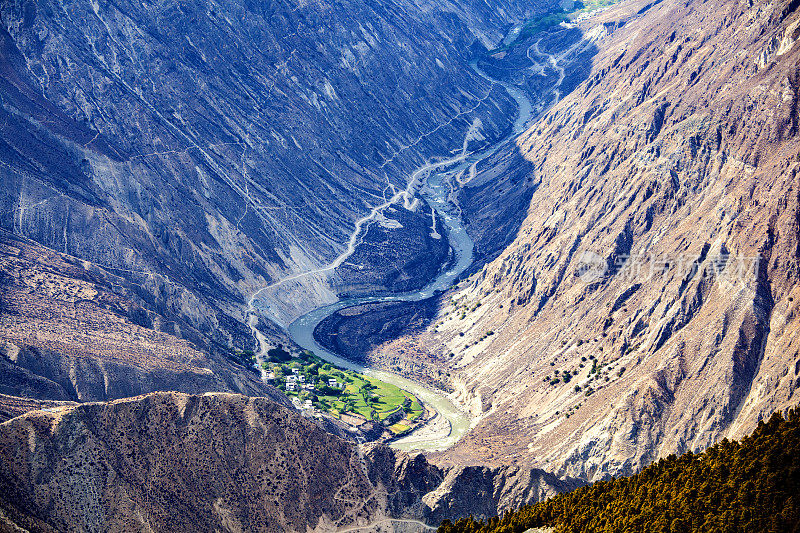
437, 193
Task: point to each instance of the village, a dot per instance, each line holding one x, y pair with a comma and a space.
315, 387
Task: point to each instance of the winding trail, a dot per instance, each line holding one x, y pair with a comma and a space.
430, 182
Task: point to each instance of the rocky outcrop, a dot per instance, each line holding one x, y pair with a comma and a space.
485, 492
648, 303
399, 253
178, 462
222, 462
357, 331
374, 334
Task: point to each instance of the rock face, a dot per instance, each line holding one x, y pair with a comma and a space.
375, 334
356, 331
482, 491
398, 253
170, 461
649, 301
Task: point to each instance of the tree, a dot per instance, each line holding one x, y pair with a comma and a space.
279, 355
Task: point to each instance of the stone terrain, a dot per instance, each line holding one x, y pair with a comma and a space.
398, 254
224, 462
648, 302
373, 334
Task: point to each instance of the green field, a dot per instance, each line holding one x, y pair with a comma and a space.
364, 396
541, 23
591, 5
399, 429
552, 19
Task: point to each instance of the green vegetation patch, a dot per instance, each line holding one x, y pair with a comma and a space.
414, 410
591, 5
542, 23
399, 429
352, 393
552, 19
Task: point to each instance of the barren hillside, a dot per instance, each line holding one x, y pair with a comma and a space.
649, 303
175, 462
70, 330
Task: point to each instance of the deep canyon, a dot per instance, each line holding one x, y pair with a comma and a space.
573, 236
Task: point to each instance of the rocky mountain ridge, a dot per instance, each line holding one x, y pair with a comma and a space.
72, 331
228, 462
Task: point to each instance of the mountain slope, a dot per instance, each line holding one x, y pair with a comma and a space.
70, 330
170, 461
648, 304
214, 148
203, 152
